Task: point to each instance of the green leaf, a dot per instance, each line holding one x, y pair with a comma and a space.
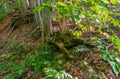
113, 1
76, 17
106, 1
106, 57
115, 67
102, 52
61, 4
117, 59
95, 77
100, 27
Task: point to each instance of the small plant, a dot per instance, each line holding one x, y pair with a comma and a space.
107, 54
52, 73
111, 58
17, 62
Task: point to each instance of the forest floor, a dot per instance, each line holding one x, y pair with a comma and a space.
86, 64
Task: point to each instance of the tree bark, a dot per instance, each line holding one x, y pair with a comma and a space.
46, 22
43, 20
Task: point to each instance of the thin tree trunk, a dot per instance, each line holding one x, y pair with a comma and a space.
46, 22
43, 20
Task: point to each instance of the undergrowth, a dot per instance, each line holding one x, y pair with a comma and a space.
43, 61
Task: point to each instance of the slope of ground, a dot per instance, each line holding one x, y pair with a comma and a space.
84, 65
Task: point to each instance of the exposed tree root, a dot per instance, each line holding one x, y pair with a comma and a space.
65, 42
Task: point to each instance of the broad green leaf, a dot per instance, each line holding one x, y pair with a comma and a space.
116, 23
100, 27
113, 1
106, 56
106, 1
103, 52
95, 77
117, 59
115, 67
91, 28
61, 4
76, 17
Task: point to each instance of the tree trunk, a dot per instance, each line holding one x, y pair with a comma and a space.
43, 20
46, 22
